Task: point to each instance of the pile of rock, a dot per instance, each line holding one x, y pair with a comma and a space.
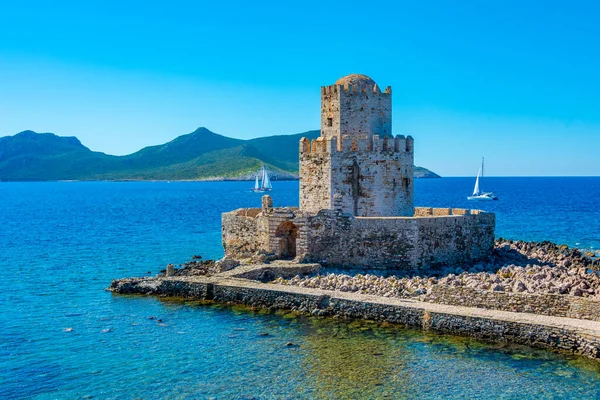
392, 286
515, 266
578, 281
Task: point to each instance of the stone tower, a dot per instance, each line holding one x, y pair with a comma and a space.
357, 166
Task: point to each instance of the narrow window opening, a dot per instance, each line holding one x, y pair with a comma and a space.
329, 121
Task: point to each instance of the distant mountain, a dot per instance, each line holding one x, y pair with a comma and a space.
200, 155
421, 172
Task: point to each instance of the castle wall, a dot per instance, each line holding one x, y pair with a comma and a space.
355, 111
243, 234
342, 240
440, 236
364, 176
454, 239
400, 242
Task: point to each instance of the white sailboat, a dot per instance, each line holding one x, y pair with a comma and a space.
477, 193
265, 182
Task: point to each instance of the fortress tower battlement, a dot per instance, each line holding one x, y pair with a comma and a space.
332, 90
355, 106
398, 144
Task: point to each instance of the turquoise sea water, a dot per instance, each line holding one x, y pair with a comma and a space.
63, 336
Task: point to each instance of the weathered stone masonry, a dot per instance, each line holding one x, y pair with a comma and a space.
410, 243
356, 197
368, 176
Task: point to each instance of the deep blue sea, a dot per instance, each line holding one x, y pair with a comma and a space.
63, 337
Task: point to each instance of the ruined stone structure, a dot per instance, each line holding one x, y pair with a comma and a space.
356, 197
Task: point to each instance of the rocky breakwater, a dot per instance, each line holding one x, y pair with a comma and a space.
444, 307
520, 276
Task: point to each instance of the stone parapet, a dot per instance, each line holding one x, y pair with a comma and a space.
335, 89
434, 237
352, 144
430, 211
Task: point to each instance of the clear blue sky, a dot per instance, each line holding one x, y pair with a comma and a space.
515, 81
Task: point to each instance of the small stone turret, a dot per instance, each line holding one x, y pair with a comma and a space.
267, 202
355, 106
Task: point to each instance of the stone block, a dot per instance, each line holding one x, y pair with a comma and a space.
267, 201
441, 211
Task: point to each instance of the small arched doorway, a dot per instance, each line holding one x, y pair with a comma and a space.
287, 233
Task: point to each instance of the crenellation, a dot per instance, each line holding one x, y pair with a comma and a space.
423, 211
364, 144
316, 146
331, 146
399, 143
460, 211
267, 203
304, 145
354, 89
351, 144
347, 143
377, 143
441, 211
410, 144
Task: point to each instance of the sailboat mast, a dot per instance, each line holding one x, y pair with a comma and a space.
481, 166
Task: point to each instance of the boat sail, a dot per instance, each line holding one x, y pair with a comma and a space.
256, 184
265, 182
477, 193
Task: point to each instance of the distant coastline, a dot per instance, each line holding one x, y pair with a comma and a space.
198, 156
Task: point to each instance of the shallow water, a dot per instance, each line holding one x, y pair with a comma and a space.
63, 336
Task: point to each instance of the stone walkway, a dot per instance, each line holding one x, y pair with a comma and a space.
233, 278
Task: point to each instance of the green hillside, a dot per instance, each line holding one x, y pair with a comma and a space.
279, 150
202, 154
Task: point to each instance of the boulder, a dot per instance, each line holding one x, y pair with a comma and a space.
519, 287
226, 264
